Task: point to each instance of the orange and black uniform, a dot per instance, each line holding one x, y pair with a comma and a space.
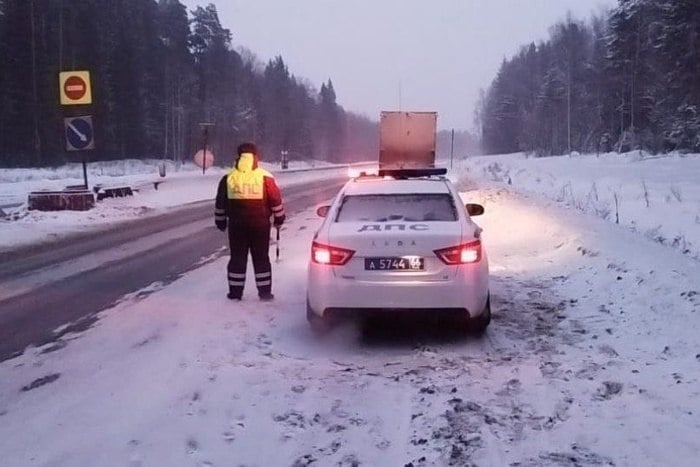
246, 199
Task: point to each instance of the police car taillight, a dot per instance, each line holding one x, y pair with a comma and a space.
333, 256
461, 254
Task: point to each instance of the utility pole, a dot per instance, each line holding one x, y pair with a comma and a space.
452, 148
400, 94
568, 109
35, 90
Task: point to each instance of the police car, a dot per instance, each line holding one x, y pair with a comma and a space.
399, 239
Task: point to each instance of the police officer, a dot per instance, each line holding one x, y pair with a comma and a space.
246, 199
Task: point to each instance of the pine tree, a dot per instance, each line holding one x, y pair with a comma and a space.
156, 73
678, 41
625, 81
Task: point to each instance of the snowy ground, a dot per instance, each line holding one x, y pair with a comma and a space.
184, 185
657, 196
592, 358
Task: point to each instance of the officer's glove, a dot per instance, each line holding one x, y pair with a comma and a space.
279, 221
221, 225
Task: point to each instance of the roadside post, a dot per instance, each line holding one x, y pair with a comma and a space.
277, 246
284, 161
206, 155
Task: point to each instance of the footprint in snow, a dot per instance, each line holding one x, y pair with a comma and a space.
561, 412
304, 461
228, 436
551, 369
608, 390
291, 419
236, 424
511, 388
142, 343
589, 371
384, 444
577, 456
135, 457
48, 379
350, 461
331, 448
192, 446
608, 351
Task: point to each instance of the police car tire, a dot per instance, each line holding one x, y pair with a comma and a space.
481, 322
319, 325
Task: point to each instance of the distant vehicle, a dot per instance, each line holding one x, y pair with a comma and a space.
399, 239
407, 139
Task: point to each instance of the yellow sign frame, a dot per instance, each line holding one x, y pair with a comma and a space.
64, 76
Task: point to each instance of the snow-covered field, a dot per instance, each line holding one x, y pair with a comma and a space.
657, 196
180, 186
592, 358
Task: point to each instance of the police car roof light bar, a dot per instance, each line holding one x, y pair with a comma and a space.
412, 173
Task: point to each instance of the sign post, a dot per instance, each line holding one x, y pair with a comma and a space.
79, 135
75, 89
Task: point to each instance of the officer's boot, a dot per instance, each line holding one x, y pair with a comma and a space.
266, 296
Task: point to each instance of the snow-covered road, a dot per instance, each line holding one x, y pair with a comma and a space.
592, 359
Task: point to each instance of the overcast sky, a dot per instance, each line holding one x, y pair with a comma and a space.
438, 53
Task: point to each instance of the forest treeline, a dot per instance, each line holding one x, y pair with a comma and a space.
158, 71
629, 79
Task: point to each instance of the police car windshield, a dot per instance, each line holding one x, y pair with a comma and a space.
427, 207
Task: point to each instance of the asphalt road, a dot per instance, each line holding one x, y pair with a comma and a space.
183, 240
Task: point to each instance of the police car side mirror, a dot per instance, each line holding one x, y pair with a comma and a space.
323, 211
475, 209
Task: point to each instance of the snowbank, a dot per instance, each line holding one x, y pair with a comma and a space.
657, 196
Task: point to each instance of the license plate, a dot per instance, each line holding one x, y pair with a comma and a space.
407, 263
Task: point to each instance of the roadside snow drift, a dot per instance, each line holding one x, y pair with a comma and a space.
656, 196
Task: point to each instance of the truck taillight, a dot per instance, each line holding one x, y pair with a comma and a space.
461, 254
331, 255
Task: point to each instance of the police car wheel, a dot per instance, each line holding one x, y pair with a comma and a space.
479, 324
319, 325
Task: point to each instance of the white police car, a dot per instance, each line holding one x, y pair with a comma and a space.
399, 239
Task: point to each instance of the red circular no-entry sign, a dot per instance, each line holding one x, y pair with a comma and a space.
75, 88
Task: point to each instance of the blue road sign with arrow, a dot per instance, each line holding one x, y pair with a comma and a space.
79, 133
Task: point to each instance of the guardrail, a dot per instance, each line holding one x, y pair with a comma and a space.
10, 205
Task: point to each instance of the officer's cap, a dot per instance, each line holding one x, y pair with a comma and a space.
248, 148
